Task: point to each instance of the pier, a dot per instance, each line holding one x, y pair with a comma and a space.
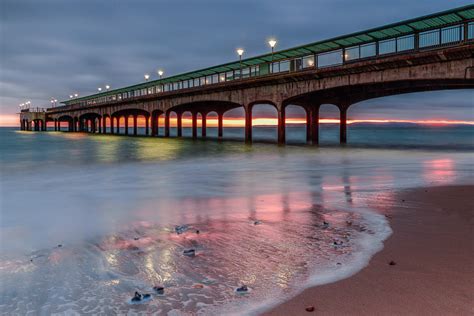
433, 52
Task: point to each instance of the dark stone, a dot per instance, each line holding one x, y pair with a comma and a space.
137, 297
197, 231
136, 238
242, 289
392, 263
159, 290
310, 309
189, 252
59, 246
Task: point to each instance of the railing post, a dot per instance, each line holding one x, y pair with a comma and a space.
466, 32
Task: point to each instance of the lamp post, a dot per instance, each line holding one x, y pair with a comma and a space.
272, 42
147, 76
240, 52
107, 87
71, 96
99, 89
76, 95
160, 73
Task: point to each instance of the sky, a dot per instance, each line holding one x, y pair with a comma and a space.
52, 48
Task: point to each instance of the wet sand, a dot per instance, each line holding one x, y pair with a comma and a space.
433, 247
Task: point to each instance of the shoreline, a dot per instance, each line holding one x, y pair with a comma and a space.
432, 248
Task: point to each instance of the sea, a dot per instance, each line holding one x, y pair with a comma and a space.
87, 220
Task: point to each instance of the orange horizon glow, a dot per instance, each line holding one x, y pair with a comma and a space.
12, 120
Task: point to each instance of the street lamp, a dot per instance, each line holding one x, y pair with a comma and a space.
240, 52
99, 89
272, 42
160, 73
107, 87
76, 95
147, 76
71, 96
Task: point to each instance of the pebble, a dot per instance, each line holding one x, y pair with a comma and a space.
197, 231
392, 263
310, 309
136, 238
189, 252
181, 229
159, 290
59, 246
198, 286
242, 289
257, 222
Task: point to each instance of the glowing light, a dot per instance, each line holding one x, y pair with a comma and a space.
76, 95
240, 51
107, 87
160, 73
100, 89
272, 42
147, 76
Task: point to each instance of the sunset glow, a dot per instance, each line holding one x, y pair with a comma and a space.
12, 121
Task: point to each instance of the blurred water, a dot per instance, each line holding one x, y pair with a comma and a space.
112, 204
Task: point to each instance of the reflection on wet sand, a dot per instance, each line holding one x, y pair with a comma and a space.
289, 241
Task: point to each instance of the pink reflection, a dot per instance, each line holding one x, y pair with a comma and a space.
439, 171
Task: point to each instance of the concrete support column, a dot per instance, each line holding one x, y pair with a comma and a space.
126, 124
59, 125
167, 124
112, 125
179, 120
194, 116
104, 125
94, 125
281, 126
154, 124
308, 125
55, 125
204, 125
118, 125
220, 125
135, 125
147, 125
343, 125
99, 122
248, 124
315, 125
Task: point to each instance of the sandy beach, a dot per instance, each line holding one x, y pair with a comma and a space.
433, 271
